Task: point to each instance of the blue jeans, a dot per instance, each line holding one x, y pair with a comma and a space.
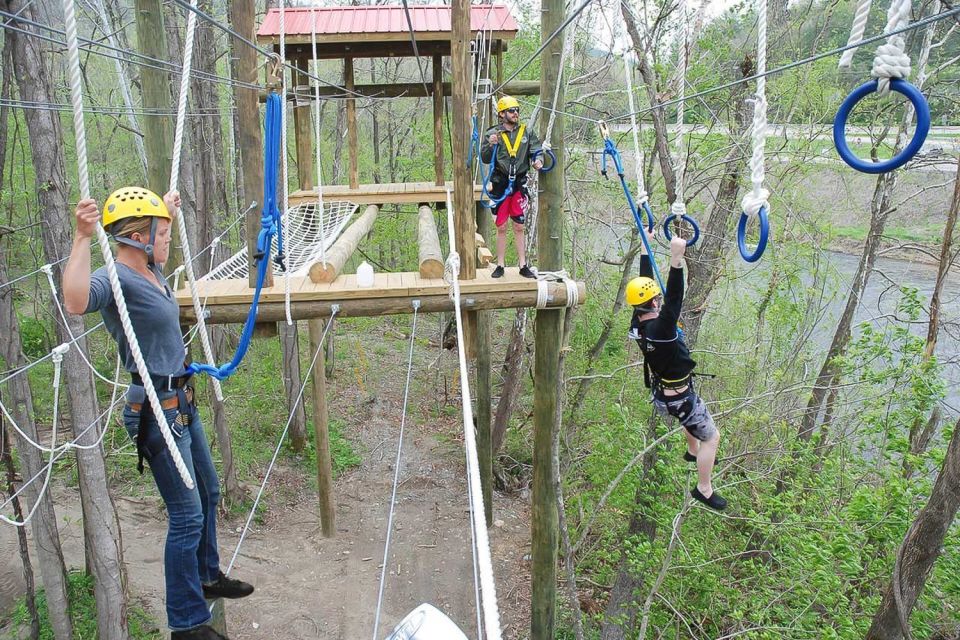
190, 555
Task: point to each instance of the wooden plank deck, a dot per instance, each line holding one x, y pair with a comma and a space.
385, 193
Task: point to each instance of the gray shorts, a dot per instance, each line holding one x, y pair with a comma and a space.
690, 410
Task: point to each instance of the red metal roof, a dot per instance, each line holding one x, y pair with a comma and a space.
426, 19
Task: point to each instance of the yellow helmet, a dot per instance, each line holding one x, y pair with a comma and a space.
133, 202
641, 290
507, 102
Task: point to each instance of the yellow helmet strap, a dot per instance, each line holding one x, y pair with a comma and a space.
146, 248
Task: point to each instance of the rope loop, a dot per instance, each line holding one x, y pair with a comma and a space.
752, 202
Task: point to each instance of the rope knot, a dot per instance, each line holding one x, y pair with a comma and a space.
890, 62
753, 201
678, 208
56, 355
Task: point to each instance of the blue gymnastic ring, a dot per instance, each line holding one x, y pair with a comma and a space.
693, 223
651, 223
919, 135
742, 235
553, 161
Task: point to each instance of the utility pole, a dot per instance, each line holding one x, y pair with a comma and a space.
549, 329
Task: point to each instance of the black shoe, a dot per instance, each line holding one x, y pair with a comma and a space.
497, 273
526, 273
689, 457
225, 587
198, 633
714, 501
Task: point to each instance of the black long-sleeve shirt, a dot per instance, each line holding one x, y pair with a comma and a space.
661, 343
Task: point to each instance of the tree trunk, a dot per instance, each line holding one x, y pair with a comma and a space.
101, 528
621, 612
44, 522
30, 597
921, 547
292, 381
706, 262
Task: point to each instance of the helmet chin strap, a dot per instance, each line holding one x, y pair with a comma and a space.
146, 248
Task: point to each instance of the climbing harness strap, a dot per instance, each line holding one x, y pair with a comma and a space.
269, 227
513, 147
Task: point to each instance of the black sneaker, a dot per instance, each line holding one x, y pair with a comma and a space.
526, 273
198, 633
497, 273
225, 587
714, 501
689, 457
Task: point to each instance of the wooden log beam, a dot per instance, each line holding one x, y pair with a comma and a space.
381, 306
402, 90
428, 240
321, 432
343, 248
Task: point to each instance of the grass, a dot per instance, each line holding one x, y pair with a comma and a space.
83, 613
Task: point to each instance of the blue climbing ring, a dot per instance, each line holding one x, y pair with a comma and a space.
742, 235
693, 223
919, 135
651, 223
553, 161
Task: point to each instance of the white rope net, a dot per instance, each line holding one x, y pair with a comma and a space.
308, 236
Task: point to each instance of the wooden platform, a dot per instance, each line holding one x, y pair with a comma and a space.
228, 301
384, 193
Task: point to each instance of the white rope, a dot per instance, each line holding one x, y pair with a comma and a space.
678, 208
891, 60
642, 196
316, 135
174, 184
281, 7
491, 615
48, 270
273, 461
76, 94
57, 368
396, 471
543, 288
758, 198
856, 32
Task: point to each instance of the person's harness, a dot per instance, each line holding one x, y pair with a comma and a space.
181, 401
513, 149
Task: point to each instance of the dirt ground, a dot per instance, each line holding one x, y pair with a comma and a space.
312, 587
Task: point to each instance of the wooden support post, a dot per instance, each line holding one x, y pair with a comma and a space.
303, 127
483, 389
244, 65
321, 431
484, 226
219, 619
438, 118
343, 248
428, 241
352, 141
548, 327
462, 179
151, 41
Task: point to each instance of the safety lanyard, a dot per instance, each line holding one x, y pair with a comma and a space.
513, 148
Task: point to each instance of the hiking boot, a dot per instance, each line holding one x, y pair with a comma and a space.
198, 633
689, 457
498, 272
224, 587
526, 273
714, 501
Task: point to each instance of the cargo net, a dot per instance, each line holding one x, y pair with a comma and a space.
305, 240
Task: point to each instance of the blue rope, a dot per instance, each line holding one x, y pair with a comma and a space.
269, 227
610, 149
494, 202
474, 143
